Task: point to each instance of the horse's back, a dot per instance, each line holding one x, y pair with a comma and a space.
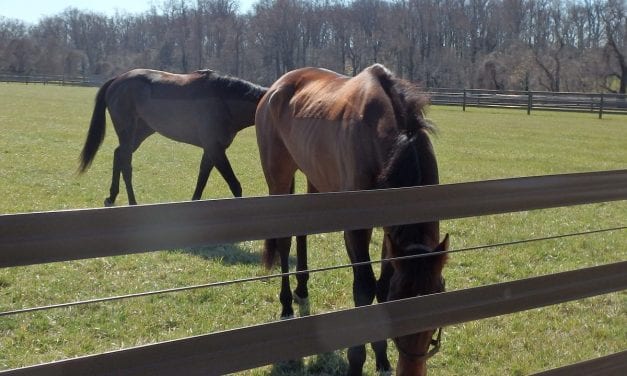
317, 93
332, 125
177, 106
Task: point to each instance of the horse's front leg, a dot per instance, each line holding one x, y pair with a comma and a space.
383, 287
206, 165
219, 159
364, 290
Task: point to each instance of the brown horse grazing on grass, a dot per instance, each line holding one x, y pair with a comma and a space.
203, 108
365, 132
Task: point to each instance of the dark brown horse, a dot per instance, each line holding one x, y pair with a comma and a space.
204, 109
365, 132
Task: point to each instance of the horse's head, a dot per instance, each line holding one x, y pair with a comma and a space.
414, 277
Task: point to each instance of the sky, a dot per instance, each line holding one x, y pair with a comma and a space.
32, 10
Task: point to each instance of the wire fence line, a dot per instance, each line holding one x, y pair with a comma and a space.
311, 271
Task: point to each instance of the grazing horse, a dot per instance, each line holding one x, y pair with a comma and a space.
203, 108
359, 133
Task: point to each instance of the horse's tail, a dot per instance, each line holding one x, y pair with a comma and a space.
269, 253
96, 132
270, 246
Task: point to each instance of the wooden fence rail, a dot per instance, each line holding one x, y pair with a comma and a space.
66, 235
62, 80
77, 234
610, 365
599, 103
239, 349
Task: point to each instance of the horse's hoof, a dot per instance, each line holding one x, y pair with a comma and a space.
298, 299
108, 203
303, 305
287, 317
385, 373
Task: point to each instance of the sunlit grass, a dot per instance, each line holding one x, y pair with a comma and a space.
42, 132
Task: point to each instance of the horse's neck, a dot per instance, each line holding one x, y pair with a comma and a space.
243, 113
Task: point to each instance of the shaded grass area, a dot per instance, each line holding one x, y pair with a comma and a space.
43, 128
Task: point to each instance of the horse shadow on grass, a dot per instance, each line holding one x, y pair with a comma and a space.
327, 364
229, 254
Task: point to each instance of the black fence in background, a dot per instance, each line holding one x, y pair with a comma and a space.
53, 79
599, 103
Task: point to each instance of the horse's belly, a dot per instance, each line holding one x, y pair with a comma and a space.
178, 120
316, 148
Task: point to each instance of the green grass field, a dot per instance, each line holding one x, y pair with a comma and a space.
42, 132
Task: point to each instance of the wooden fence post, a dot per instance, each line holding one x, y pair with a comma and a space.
529, 102
601, 107
464, 101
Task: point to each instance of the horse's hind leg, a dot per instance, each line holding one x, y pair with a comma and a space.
278, 169
284, 245
115, 179
126, 158
121, 164
130, 139
130, 135
301, 293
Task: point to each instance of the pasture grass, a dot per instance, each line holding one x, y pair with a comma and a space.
42, 132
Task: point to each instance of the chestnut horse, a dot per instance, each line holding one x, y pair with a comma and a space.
359, 133
203, 108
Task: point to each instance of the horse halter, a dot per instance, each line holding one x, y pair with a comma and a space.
422, 357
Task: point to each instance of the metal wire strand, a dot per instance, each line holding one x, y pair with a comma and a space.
317, 270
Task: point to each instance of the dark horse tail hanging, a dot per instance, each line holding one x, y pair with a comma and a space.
203, 109
364, 132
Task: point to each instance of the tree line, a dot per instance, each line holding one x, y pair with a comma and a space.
554, 45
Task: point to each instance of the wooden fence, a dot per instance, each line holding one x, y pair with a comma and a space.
598, 103
74, 234
62, 80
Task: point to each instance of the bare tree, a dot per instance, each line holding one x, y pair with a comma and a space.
526, 44
10, 31
616, 32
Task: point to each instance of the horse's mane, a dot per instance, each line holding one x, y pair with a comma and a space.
408, 102
233, 86
402, 168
